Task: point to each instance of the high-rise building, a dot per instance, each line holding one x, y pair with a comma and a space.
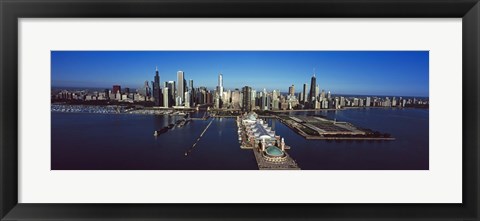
166, 98
227, 96
192, 93
117, 92
247, 99
253, 98
313, 84
156, 88
116, 88
201, 97
305, 99
342, 102
107, 93
171, 92
275, 94
180, 88
147, 89
236, 98
187, 99
291, 90
220, 85
217, 104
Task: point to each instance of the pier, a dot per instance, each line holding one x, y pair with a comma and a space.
198, 139
269, 149
319, 128
204, 117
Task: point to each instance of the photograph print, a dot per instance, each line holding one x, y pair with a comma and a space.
239, 110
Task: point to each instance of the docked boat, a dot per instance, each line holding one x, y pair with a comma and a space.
182, 123
161, 131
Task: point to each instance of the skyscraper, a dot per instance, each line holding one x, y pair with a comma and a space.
304, 93
156, 89
117, 92
171, 92
253, 98
187, 99
247, 99
145, 91
192, 93
313, 83
220, 85
180, 88
291, 90
116, 88
166, 98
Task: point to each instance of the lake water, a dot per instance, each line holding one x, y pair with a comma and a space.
126, 142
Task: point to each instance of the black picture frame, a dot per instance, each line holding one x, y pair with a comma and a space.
11, 10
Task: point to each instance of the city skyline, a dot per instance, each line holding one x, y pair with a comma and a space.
397, 73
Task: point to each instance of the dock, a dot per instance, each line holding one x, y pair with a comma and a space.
198, 139
318, 128
268, 148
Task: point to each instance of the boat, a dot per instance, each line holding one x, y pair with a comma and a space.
161, 131
182, 123
170, 126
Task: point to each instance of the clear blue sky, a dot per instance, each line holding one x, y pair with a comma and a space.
399, 73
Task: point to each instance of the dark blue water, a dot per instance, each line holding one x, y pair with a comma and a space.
408, 152
126, 142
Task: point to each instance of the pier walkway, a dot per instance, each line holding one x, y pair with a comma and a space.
198, 139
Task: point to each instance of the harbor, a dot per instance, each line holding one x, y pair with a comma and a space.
219, 147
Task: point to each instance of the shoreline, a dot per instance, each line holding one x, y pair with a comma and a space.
212, 110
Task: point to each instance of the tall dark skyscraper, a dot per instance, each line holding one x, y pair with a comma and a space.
192, 93
157, 93
247, 99
171, 92
313, 83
